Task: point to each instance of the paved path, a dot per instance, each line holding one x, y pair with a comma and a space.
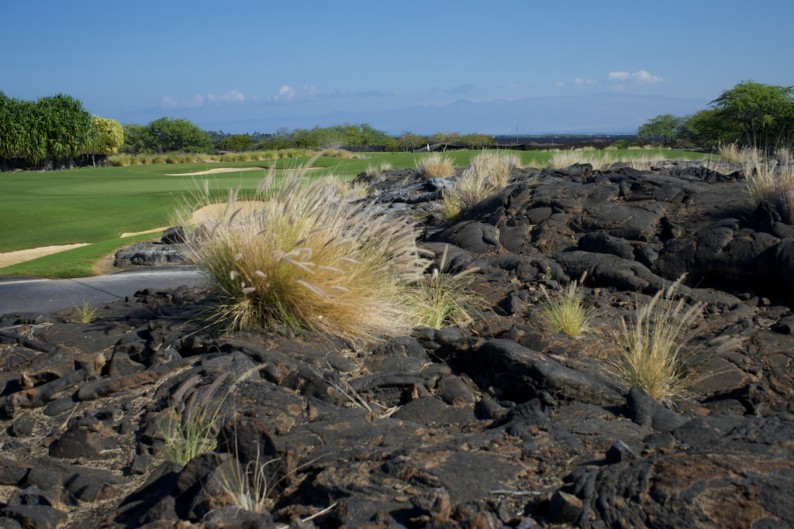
49, 295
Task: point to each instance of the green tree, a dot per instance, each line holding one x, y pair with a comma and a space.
136, 139
477, 141
235, 142
764, 113
65, 124
168, 135
709, 128
109, 136
445, 137
282, 139
664, 129
408, 141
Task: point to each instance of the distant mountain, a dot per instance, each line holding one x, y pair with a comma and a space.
608, 113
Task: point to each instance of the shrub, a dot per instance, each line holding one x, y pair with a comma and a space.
303, 259
650, 345
435, 166
567, 312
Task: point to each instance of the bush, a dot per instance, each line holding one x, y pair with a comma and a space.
303, 259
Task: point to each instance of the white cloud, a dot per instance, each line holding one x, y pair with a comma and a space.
285, 93
640, 76
196, 101
232, 96
559, 84
310, 92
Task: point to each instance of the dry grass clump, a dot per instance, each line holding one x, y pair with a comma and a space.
470, 189
341, 153
248, 485
444, 298
487, 174
305, 260
193, 431
124, 160
732, 153
566, 312
644, 161
373, 172
650, 345
565, 159
772, 181
435, 165
496, 166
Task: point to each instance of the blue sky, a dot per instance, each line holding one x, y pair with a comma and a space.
244, 66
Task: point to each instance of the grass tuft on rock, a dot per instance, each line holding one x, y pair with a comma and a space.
445, 298
304, 259
487, 174
771, 180
566, 311
649, 346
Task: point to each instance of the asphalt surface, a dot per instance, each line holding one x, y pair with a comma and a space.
51, 295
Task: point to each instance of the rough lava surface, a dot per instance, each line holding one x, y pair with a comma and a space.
509, 425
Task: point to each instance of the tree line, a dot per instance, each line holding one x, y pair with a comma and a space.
750, 114
167, 135
54, 129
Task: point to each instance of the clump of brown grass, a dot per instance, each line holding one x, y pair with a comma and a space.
644, 162
732, 153
304, 260
566, 312
445, 298
565, 159
769, 180
470, 189
435, 165
487, 174
373, 172
495, 166
649, 346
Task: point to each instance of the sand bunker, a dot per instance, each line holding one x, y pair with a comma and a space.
223, 211
144, 232
20, 256
216, 171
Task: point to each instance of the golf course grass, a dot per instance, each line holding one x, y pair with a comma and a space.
97, 205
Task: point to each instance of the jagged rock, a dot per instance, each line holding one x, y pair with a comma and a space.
150, 254
507, 424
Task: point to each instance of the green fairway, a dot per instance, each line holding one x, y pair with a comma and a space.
97, 205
